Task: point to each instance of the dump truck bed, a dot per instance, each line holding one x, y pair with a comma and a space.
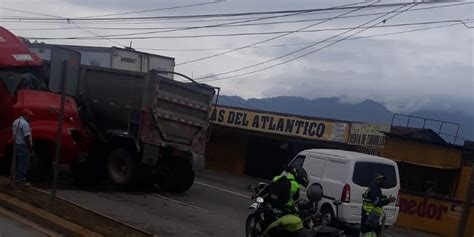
149, 107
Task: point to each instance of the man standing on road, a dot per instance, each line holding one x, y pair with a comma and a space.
372, 206
23, 145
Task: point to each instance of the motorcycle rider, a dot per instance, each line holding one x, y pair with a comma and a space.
297, 176
372, 206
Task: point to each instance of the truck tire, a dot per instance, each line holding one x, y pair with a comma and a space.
179, 178
122, 168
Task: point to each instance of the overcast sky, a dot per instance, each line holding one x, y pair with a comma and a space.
429, 69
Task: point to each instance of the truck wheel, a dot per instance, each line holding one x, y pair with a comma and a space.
179, 178
121, 167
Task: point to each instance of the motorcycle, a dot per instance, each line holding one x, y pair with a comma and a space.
265, 219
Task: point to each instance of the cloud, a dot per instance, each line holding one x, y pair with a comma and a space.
382, 70
428, 69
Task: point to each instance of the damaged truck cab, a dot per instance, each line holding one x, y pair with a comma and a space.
22, 86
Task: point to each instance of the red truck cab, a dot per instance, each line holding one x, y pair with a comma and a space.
23, 86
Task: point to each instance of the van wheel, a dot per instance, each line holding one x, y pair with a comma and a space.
327, 215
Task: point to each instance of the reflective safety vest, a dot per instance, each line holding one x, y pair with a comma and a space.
368, 234
368, 205
294, 187
290, 223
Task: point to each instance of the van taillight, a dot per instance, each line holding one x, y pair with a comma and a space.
397, 203
346, 193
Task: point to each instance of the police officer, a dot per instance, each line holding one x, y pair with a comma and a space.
372, 207
297, 176
289, 224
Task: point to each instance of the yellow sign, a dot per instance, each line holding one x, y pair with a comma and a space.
281, 124
368, 137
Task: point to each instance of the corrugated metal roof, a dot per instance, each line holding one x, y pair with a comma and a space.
418, 133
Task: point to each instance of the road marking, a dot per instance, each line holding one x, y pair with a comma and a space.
183, 203
223, 190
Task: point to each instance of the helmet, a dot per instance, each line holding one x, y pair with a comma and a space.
300, 176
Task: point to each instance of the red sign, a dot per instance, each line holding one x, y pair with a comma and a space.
422, 208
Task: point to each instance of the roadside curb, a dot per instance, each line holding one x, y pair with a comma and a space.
29, 223
85, 222
44, 218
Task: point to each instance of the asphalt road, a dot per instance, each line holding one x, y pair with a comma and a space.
215, 206
209, 208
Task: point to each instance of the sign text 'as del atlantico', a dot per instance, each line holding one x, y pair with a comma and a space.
281, 124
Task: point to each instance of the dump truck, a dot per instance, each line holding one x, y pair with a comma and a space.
130, 127
145, 127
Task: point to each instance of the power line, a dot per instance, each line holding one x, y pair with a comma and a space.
27, 12
354, 38
306, 43
463, 21
273, 38
188, 28
212, 15
201, 27
92, 33
311, 52
130, 22
243, 34
236, 25
156, 9
297, 44
69, 21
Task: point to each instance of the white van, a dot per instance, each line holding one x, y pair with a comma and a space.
345, 176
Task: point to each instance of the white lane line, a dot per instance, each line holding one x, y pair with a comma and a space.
223, 190
183, 203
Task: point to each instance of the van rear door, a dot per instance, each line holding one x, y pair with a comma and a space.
335, 177
363, 177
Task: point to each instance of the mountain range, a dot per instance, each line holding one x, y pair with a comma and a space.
366, 111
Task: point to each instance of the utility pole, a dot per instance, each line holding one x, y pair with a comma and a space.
59, 131
466, 209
